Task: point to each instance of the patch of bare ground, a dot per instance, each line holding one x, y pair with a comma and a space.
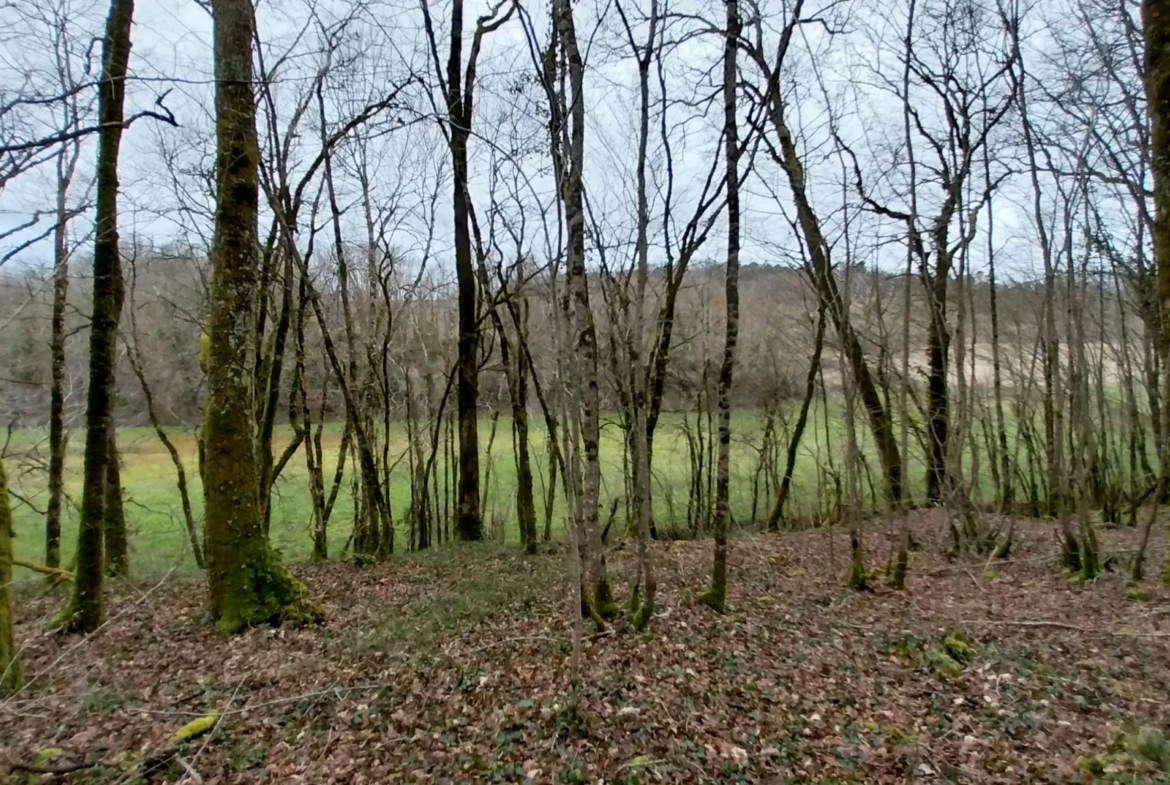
452, 667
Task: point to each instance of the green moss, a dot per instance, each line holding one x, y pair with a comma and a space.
1071, 554
603, 601
196, 727
958, 648
858, 578
943, 664
1152, 746
46, 755
1137, 594
263, 592
897, 572
1094, 766
11, 674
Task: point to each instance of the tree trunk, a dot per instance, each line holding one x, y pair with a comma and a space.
117, 547
1156, 29
247, 584
638, 440
84, 611
938, 344
469, 525
135, 358
716, 596
821, 272
810, 388
11, 674
58, 439
585, 340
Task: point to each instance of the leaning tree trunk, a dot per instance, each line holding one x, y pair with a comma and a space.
716, 596
11, 675
820, 271
810, 388
247, 584
84, 611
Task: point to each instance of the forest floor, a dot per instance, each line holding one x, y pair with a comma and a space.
453, 666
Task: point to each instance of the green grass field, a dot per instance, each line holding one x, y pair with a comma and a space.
154, 515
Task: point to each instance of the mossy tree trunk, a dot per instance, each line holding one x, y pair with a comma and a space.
716, 596
117, 547
11, 675
84, 611
58, 438
247, 584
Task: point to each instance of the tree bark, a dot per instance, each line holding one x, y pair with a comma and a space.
84, 612
11, 674
1156, 30
637, 375
716, 596
247, 584
469, 525
585, 338
117, 547
810, 388
58, 439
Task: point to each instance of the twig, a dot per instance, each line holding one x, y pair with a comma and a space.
194, 775
83, 640
449, 653
265, 704
1063, 626
55, 771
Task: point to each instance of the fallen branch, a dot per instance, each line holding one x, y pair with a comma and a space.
1063, 626
56, 573
53, 771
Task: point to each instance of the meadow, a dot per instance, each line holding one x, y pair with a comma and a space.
159, 543
154, 514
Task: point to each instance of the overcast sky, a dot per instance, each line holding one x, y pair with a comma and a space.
853, 73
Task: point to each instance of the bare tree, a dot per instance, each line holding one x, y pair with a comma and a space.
716, 596
84, 611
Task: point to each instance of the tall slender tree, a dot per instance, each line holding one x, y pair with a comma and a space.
716, 596
458, 90
84, 611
